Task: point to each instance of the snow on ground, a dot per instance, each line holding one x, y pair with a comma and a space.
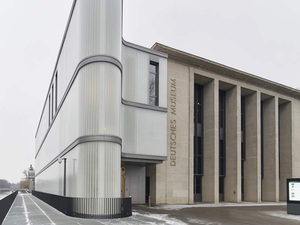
159, 219
179, 207
203, 222
284, 215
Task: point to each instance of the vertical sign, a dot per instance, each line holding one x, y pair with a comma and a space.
173, 122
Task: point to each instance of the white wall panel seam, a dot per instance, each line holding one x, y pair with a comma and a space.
81, 140
82, 64
85, 62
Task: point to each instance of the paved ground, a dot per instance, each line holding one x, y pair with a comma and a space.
226, 214
28, 210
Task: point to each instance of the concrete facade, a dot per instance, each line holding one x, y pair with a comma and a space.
270, 134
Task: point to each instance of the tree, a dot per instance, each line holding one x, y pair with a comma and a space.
28, 181
24, 183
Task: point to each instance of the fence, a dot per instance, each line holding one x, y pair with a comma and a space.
100, 208
5, 205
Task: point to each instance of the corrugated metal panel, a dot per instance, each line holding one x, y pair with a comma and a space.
95, 29
92, 107
99, 173
93, 171
144, 131
100, 96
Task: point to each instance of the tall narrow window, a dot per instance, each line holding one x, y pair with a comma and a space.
56, 91
222, 146
153, 84
222, 167
49, 103
243, 141
198, 141
52, 102
262, 138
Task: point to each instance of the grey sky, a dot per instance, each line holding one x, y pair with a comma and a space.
257, 36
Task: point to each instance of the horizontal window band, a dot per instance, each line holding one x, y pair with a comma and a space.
144, 106
81, 140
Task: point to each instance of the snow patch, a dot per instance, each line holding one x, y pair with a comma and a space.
203, 222
179, 207
284, 215
162, 218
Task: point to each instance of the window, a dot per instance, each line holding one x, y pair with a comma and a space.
49, 103
222, 129
262, 139
52, 99
198, 141
52, 102
56, 91
153, 84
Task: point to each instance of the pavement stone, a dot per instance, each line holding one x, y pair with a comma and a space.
29, 210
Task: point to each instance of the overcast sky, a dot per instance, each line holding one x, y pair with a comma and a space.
257, 36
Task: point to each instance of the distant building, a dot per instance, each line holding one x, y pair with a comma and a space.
132, 121
31, 178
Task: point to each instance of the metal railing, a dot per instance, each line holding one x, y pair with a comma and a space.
5, 205
98, 208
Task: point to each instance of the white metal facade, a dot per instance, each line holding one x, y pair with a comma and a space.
96, 111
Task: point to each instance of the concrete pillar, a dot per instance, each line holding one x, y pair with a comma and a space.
210, 181
285, 147
270, 181
252, 164
191, 138
295, 138
158, 185
233, 145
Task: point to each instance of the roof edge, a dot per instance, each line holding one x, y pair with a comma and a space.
227, 71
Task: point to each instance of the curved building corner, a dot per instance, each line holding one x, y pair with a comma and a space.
92, 128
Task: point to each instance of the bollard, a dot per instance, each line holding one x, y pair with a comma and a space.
149, 200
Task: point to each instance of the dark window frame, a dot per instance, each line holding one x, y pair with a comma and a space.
262, 139
56, 105
154, 73
222, 133
198, 141
49, 114
52, 102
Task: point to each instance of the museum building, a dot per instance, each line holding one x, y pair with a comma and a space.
123, 121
